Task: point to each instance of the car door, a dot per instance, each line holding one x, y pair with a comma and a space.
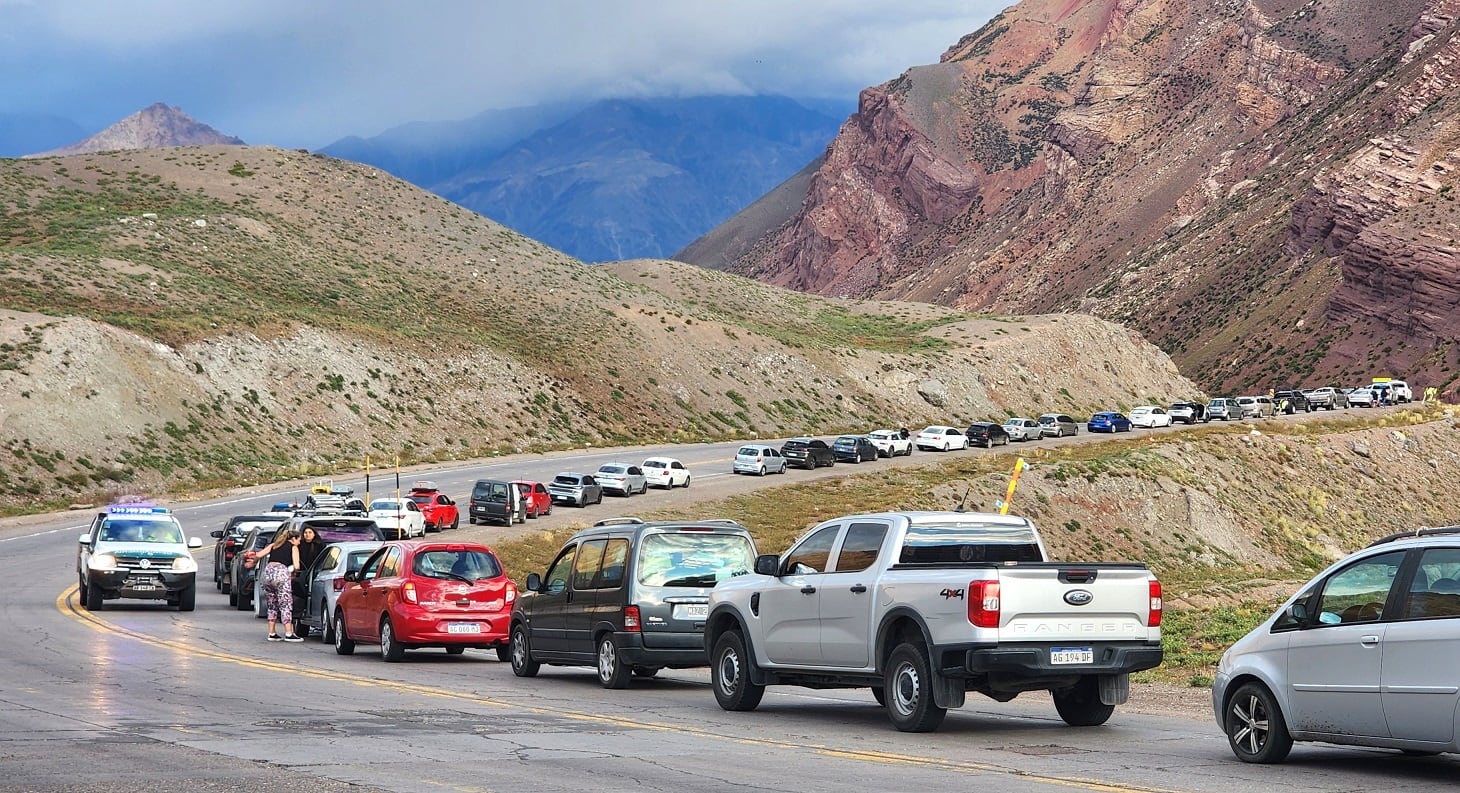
847, 596
790, 603
377, 595
1421, 689
1334, 664
353, 603
319, 581
547, 618
580, 608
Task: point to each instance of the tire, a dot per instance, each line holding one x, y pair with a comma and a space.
391, 650
730, 665
328, 634
225, 585
909, 691
92, 598
760, 472
187, 598
232, 598
599, 500
455, 650
519, 652
242, 601
456, 521
686, 482
646, 672
1255, 727
612, 671
344, 645
1080, 705
471, 521
504, 653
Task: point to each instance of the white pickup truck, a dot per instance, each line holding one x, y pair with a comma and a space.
922, 607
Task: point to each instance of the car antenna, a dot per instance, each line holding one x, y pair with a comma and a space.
963, 500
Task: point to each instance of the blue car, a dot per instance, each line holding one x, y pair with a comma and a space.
1108, 421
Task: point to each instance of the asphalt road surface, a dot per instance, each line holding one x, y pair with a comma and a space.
140, 698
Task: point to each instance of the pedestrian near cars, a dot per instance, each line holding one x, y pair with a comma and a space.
310, 547
280, 559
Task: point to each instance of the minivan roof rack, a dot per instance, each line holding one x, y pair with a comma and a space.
1420, 532
719, 521
624, 521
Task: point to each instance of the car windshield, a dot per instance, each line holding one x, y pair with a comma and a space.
571, 481
130, 530
749, 451
386, 505
880, 436
794, 445
693, 559
846, 441
932, 431
421, 498
653, 464
610, 469
460, 564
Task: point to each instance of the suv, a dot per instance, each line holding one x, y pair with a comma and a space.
137, 551
807, 453
1356, 657
1187, 412
986, 434
494, 500
577, 489
1058, 425
854, 449
1291, 401
758, 459
230, 540
628, 597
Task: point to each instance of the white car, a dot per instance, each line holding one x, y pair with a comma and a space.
665, 472
1361, 397
398, 518
1150, 416
940, 438
1022, 429
890, 443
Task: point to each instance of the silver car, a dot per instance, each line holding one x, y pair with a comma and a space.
1058, 425
324, 581
1363, 655
1022, 429
758, 459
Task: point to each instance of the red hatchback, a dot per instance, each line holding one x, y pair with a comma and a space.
536, 500
426, 593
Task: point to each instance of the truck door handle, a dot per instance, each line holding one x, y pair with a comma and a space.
808, 590
859, 588
1368, 641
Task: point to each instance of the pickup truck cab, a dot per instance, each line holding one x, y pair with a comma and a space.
922, 607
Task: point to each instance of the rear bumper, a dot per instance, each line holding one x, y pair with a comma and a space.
430, 628
679, 650
1031, 662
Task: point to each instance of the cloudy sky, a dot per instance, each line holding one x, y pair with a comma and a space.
303, 74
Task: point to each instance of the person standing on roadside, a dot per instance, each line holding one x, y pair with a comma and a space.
280, 559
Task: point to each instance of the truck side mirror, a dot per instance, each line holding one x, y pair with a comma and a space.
768, 564
534, 582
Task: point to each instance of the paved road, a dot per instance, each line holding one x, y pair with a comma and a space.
137, 697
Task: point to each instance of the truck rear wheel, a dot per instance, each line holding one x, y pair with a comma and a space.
730, 674
909, 690
1080, 705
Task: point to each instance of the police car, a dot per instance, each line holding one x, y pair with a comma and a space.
137, 551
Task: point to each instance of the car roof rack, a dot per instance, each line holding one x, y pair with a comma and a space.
624, 521
1420, 532
719, 521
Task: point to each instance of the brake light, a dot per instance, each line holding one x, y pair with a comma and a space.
631, 618
983, 604
408, 592
1153, 620
511, 593
339, 584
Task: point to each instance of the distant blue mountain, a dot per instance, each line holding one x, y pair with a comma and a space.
22, 134
619, 179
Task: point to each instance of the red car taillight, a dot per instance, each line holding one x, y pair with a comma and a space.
1153, 619
631, 618
408, 592
983, 604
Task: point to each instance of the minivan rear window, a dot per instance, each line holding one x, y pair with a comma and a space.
693, 559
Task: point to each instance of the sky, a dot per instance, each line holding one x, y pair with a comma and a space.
302, 74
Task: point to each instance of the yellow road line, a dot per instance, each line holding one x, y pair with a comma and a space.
67, 605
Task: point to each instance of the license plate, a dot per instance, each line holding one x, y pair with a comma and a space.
143, 587
691, 611
1071, 655
463, 627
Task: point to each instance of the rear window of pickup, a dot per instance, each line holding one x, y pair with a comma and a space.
968, 543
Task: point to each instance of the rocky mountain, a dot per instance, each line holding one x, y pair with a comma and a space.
23, 133
200, 316
618, 179
1264, 188
152, 127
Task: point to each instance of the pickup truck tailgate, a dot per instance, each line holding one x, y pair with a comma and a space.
1054, 602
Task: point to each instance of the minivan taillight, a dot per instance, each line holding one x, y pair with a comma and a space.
983, 604
1153, 619
631, 618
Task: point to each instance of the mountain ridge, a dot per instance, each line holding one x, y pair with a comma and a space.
155, 126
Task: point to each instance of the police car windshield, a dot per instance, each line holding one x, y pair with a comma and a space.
133, 530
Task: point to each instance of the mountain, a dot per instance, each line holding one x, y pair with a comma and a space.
152, 127
228, 314
23, 133
1264, 188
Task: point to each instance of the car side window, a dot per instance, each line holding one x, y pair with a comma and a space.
611, 572
390, 566
328, 559
860, 546
1358, 592
371, 568
813, 553
585, 569
557, 577
588, 480
1435, 591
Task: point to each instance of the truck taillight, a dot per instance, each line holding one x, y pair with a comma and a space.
1153, 620
408, 592
631, 618
983, 604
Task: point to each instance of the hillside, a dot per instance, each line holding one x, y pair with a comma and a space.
189, 317
1263, 188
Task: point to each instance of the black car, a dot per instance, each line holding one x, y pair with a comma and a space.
854, 448
241, 577
627, 597
228, 541
807, 453
1291, 401
986, 434
495, 501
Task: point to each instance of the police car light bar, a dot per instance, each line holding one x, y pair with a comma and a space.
136, 509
